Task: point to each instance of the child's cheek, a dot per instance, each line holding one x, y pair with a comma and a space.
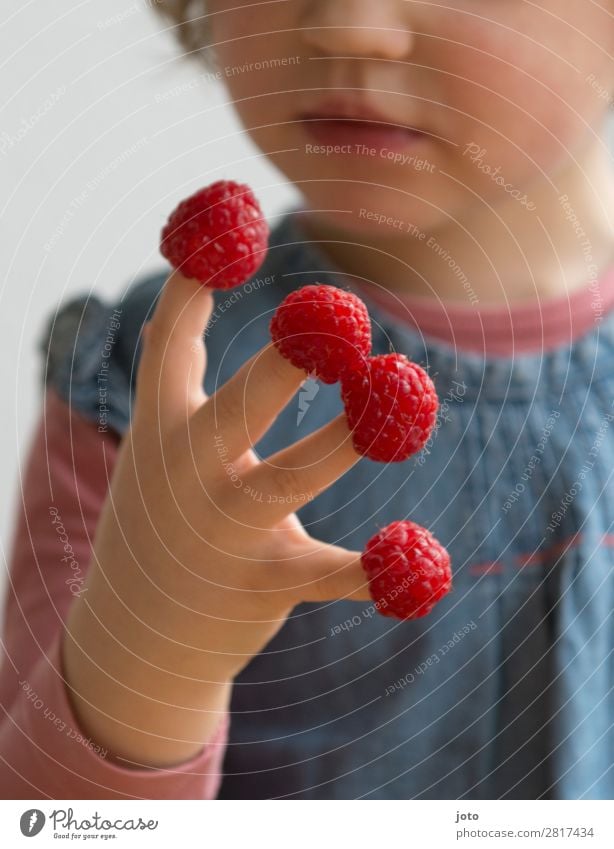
521, 104
261, 72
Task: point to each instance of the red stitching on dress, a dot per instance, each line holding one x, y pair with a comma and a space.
488, 568
495, 567
540, 557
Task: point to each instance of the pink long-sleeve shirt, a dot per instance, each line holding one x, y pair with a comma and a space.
43, 751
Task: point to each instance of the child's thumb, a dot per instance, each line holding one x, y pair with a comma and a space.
333, 573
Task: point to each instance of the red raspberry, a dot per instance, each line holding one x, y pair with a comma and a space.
218, 235
408, 570
322, 329
391, 407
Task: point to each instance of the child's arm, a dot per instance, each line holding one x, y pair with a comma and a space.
44, 751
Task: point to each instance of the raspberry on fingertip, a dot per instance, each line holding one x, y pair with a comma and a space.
408, 570
218, 235
322, 329
391, 407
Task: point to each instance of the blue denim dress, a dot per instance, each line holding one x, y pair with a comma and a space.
506, 689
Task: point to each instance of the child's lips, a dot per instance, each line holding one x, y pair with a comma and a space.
352, 134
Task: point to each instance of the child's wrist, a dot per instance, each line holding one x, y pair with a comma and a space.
132, 707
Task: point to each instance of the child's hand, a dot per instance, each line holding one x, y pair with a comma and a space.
198, 556
211, 525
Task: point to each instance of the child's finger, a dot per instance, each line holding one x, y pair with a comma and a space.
245, 407
330, 573
298, 473
173, 357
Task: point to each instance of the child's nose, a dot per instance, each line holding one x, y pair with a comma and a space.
371, 28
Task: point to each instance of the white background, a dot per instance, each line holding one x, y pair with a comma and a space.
94, 92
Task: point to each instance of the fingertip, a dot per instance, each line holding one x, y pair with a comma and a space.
181, 292
190, 284
285, 366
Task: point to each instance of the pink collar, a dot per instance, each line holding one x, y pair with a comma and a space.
527, 326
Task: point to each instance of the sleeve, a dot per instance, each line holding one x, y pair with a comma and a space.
43, 751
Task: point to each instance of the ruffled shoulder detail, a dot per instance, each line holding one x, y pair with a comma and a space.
90, 350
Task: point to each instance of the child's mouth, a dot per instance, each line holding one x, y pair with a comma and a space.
359, 135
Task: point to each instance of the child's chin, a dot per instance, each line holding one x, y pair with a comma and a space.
366, 220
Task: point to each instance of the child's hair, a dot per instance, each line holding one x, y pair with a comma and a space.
190, 19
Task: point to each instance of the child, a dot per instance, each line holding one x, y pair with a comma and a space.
219, 640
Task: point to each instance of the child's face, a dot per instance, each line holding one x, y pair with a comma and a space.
495, 85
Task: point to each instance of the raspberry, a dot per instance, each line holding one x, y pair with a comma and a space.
408, 570
322, 329
218, 235
391, 407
